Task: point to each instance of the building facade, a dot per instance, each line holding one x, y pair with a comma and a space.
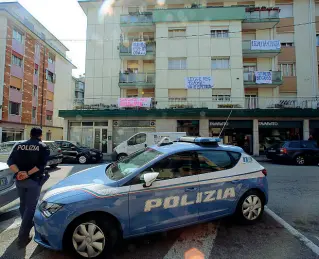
181, 66
35, 76
79, 88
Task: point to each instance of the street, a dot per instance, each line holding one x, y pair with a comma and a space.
293, 195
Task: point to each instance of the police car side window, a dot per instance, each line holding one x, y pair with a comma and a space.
211, 161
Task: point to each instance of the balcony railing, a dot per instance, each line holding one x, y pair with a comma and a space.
136, 19
265, 46
137, 78
259, 13
106, 103
127, 50
250, 78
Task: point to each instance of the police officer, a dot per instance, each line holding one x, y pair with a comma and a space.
28, 161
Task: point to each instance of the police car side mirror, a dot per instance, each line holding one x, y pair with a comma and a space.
149, 178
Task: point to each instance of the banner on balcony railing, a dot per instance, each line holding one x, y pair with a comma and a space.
199, 82
265, 45
138, 48
134, 102
264, 77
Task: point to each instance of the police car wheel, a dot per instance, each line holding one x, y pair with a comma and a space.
92, 238
82, 159
250, 207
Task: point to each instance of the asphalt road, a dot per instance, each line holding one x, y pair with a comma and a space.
293, 196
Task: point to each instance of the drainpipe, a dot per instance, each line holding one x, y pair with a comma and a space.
42, 98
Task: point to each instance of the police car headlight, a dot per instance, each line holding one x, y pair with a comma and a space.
92, 153
48, 208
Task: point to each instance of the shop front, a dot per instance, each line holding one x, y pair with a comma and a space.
191, 127
235, 132
12, 132
273, 132
124, 129
314, 129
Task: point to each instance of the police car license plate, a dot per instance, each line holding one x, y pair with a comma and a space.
3, 181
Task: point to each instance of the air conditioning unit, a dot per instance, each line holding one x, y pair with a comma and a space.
152, 123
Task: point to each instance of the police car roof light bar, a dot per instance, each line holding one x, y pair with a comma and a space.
199, 140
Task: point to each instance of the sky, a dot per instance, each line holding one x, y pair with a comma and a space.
66, 21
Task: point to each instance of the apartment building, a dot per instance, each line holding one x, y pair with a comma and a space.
79, 88
35, 76
180, 66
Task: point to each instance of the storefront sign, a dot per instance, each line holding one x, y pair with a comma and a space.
138, 48
265, 45
280, 124
199, 82
134, 102
244, 124
134, 123
264, 77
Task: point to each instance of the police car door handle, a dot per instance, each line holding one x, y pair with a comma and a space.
191, 189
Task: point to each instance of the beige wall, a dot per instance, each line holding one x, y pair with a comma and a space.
63, 89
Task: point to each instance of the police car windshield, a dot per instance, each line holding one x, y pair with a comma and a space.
129, 164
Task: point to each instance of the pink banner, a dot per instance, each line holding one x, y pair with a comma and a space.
134, 102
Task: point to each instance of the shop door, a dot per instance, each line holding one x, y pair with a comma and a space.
100, 139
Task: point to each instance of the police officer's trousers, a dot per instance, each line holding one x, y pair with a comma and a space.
29, 193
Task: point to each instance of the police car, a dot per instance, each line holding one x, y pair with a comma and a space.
162, 187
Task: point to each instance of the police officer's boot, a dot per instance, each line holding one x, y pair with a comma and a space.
23, 242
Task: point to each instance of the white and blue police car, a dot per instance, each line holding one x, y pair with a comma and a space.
162, 187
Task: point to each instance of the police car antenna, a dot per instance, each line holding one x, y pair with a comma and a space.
225, 124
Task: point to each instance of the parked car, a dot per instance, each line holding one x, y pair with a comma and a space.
74, 151
8, 191
299, 152
55, 157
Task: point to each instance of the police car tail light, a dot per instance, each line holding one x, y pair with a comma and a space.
283, 150
264, 171
48, 208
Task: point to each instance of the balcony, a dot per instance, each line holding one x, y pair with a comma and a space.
133, 80
15, 95
126, 52
261, 48
272, 80
236, 103
199, 14
137, 22
261, 18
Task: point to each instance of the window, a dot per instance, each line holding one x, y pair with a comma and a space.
18, 36
35, 91
51, 59
219, 33
48, 136
175, 166
50, 76
289, 44
220, 63
288, 69
14, 108
15, 88
177, 33
295, 144
16, 61
34, 112
177, 63
211, 161
49, 117
285, 11
138, 139
36, 71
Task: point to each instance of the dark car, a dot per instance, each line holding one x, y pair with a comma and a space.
73, 151
299, 152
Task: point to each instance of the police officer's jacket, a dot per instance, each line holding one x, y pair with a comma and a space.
28, 154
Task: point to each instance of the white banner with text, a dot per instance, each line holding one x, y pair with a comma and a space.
138, 48
265, 45
264, 77
199, 82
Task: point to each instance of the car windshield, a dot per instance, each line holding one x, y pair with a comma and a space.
77, 144
129, 164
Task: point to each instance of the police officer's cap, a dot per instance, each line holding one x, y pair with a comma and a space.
36, 132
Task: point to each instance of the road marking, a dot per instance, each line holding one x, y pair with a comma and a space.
16, 223
294, 231
194, 242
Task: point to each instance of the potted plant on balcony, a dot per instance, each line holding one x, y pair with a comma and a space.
263, 8
194, 5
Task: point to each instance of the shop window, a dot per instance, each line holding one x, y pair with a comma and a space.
16, 61
87, 123
219, 33
211, 161
177, 33
177, 63
220, 63
14, 108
